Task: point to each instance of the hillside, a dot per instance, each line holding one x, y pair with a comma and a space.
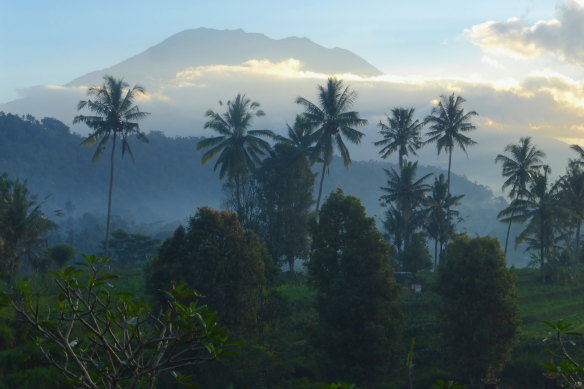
166, 183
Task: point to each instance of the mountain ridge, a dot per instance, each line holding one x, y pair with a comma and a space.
204, 47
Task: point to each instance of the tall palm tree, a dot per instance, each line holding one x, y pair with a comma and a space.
332, 119
404, 195
238, 148
572, 197
115, 118
401, 134
521, 163
541, 211
448, 124
439, 224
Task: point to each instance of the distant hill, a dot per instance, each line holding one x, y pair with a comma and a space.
166, 183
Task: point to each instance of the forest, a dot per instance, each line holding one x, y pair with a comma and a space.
251, 259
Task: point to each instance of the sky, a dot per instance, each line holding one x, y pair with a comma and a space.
52, 42
519, 63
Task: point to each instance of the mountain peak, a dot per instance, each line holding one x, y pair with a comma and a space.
205, 47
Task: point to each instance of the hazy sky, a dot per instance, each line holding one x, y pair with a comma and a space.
52, 42
519, 63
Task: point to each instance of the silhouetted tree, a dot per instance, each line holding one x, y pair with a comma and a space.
401, 134
332, 119
286, 182
480, 313
448, 123
359, 322
519, 166
223, 261
115, 117
23, 225
237, 148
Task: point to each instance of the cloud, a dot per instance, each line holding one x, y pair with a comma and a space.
561, 37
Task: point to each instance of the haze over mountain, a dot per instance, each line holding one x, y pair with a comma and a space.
189, 72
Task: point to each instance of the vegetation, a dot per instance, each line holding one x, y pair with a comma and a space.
448, 125
115, 117
480, 314
99, 337
520, 165
355, 294
238, 149
332, 121
226, 264
23, 225
338, 317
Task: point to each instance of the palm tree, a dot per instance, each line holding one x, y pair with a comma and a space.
448, 123
404, 196
332, 119
24, 225
401, 134
541, 210
439, 225
520, 165
238, 148
578, 149
115, 117
299, 136
572, 197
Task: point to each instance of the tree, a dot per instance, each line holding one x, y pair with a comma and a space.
440, 215
226, 263
541, 211
299, 136
448, 123
571, 197
332, 121
61, 253
479, 308
99, 337
286, 183
401, 134
132, 249
23, 226
405, 196
238, 149
349, 267
116, 116
519, 166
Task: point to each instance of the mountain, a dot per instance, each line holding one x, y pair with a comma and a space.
188, 73
204, 47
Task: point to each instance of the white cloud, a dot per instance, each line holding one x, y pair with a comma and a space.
561, 37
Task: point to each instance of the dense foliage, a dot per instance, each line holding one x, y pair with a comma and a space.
358, 328
479, 307
224, 262
340, 321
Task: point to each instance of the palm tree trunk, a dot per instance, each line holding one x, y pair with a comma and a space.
320, 189
109, 197
577, 246
435, 254
238, 198
448, 203
290, 263
541, 250
508, 232
448, 181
